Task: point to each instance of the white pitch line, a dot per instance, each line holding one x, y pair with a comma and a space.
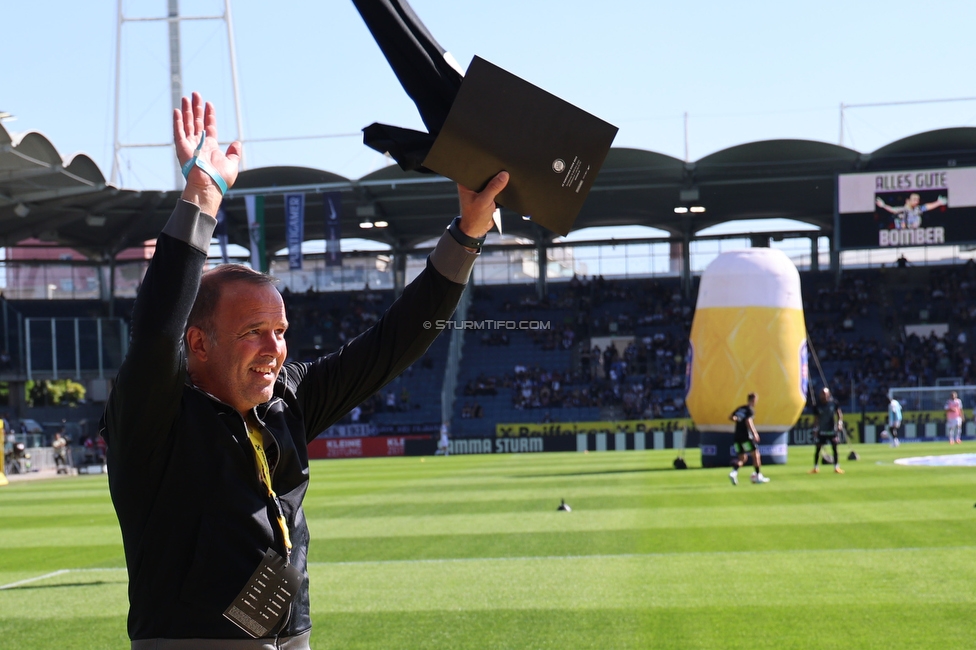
57, 573
29, 580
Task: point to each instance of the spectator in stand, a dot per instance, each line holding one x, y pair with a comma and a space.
101, 447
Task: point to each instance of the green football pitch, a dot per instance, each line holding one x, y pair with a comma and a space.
470, 552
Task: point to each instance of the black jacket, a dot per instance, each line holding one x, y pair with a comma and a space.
195, 519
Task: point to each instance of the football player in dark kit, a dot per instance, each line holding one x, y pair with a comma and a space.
746, 441
830, 421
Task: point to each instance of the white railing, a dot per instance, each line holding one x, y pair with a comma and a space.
455, 352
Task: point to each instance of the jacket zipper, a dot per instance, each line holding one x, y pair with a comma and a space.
287, 617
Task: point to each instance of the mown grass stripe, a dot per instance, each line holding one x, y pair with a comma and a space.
617, 556
613, 556
395, 525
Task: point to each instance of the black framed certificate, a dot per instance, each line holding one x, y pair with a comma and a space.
552, 149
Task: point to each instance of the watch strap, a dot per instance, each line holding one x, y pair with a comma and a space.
463, 239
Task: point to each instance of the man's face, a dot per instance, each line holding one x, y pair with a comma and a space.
914, 200
241, 368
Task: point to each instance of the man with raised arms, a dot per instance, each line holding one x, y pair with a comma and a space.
208, 423
909, 216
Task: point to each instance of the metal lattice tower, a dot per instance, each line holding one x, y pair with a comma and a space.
173, 18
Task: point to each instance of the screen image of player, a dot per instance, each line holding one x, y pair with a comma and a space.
907, 208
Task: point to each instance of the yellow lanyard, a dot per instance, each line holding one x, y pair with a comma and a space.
264, 473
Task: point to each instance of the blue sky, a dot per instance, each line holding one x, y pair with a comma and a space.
742, 71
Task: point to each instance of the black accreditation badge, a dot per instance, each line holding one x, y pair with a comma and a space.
266, 596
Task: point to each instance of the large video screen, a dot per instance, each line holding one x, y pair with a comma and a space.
927, 207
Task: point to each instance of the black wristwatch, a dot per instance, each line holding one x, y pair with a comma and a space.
466, 241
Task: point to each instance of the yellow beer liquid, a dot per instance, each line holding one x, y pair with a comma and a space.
742, 350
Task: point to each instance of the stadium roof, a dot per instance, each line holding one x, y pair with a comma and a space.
72, 205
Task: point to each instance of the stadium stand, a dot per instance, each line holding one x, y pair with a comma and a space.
568, 372
870, 330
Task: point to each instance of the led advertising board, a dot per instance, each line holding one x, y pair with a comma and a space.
900, 209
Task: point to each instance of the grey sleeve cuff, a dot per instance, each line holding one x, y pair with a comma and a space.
190, 225
452, 260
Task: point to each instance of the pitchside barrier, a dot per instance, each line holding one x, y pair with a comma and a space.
627, 435
427, 445
42, 459
717, 449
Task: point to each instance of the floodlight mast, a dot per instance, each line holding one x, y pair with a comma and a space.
233, 77
175, 72
173, 19
116, 147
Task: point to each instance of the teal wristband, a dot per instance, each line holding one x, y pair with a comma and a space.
207, 168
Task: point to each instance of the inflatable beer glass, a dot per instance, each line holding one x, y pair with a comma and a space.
748, 336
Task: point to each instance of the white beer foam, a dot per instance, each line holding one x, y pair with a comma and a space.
753, 277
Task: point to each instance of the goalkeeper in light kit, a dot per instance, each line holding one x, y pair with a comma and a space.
953, 411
